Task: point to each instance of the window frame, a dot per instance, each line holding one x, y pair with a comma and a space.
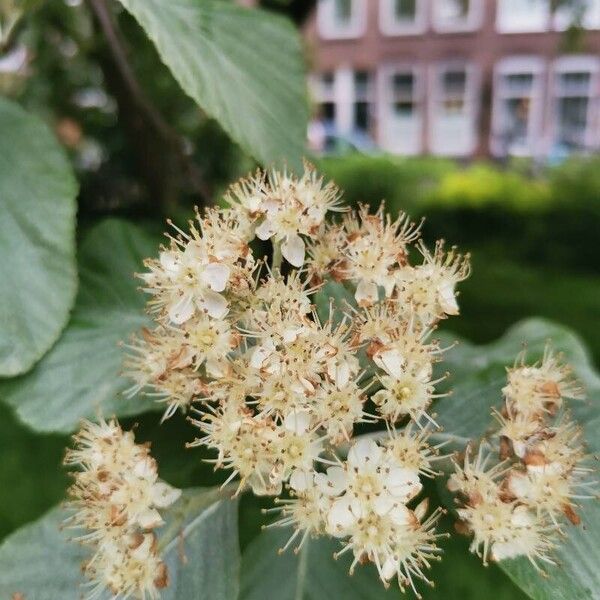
501, 27
472, 100
390, 26
591, 20
472, 22
322, 93
329, 30
576, 64
366, 96
385, 99
537, 66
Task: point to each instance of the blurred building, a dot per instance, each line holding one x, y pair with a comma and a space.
456, 77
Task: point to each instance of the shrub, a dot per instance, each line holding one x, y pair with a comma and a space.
510, 213
404, 183
483, 185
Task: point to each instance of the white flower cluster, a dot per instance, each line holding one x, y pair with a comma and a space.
115, 498
516, 507
277, 390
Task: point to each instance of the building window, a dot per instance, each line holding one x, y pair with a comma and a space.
402, 17
457, 15
574, 79
400, 110
341, 19
325, 97
404, 101
517, 108
453, 109
585, 13
363, 98
522, 16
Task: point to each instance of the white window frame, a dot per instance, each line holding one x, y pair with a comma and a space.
320, 93
591, 19
501, 26
329, 30
576, 64
390, 26
472, 101
515, 65
367, 96
472, 22
384, 99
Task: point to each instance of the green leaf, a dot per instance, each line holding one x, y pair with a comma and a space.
80, 375
243, 67
37, 239
311, 574
478, 374
208, 524
41, 563
314, 574
336, 296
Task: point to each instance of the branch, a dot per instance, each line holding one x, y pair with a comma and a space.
129, 94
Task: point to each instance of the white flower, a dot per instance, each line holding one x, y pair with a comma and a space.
115, 499
374, 249
293, 207
539, 388
371, 483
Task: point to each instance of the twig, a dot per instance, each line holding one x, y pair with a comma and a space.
148, 111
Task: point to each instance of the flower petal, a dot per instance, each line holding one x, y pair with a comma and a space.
333, 483
169, 262
149, 519
181, 310
364, 452
301, 480
391, 361
216, 276
293, 250
403, 483
297, 421
447, 297
366, 293
214, 304
164, 495
265, 230
340, 517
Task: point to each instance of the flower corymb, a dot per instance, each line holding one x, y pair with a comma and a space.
309, 377
277, 376
520, 505
115, 503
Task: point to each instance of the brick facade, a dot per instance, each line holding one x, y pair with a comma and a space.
423, 85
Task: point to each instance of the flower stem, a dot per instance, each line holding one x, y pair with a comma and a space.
277, 257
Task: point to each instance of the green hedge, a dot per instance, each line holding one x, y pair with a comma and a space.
551, 218
406, 183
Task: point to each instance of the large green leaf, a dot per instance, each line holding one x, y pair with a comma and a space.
42, 564
37, 239
314, 574
311, 574
80, 374
478, 376
243, 67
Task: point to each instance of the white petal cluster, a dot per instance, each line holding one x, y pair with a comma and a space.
285, 208
115, 500
364, 502
518, 506
372, 251
276, 390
